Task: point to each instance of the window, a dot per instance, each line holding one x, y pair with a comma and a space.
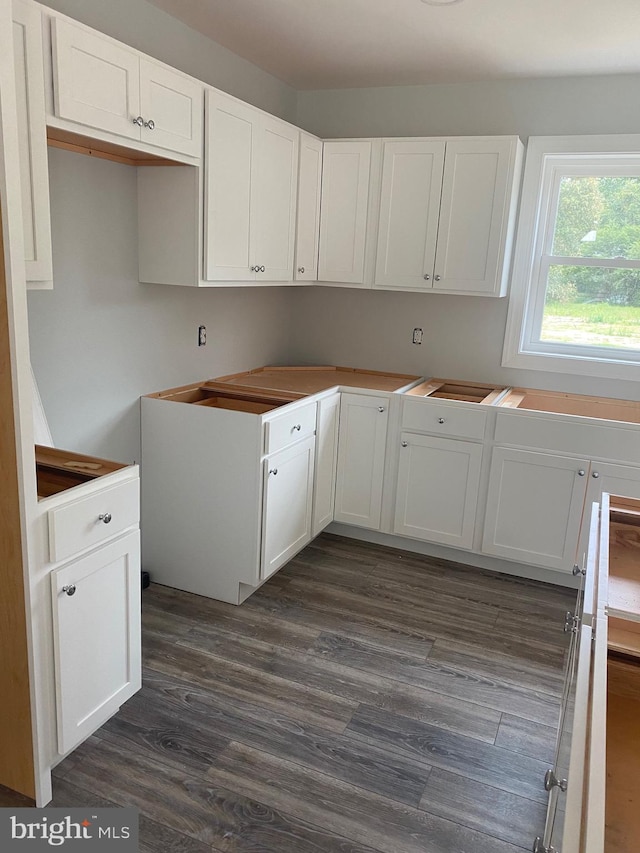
575, 300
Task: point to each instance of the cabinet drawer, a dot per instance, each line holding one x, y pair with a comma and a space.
447, 419
580, 436
77, 526
289, 427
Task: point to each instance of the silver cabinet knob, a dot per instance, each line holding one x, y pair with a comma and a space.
298, 427
437, 277
69, 588
105, 517
381, 408
255, 269
262, 268
300, 270
426, 277
139, 121
440, 420
404, 443
273, 471
595, 475
150, 124
581, 472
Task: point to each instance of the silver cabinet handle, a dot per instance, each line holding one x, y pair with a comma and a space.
440, 420
105, 517
404, 443
437, 277
595, 475
381, 408
581, 472
300, 270
273, 471
69, 588
255, 269
261, 268
150, 124
139, 121
426, 277
297, 426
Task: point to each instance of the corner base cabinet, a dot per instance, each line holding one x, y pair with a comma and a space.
594, 799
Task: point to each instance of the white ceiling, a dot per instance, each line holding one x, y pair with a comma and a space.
318, 44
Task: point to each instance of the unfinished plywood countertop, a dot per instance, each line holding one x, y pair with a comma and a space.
300, 381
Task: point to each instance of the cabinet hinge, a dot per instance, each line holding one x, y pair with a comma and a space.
571, 623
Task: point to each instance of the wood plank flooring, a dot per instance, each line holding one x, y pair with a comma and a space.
365, 700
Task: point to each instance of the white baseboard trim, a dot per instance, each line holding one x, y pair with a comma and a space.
441, 552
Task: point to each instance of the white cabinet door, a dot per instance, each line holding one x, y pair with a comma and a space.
437, 493
274, 206
409, 208
32, 137
172, 107
308, 214
534, 507
287, 504
361, 455
343, 215
326, 458
475, 215
230, 183
96, 625
96, 80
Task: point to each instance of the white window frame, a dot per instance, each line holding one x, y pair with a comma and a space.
548, 159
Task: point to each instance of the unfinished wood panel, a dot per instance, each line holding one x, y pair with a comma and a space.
573, 404
622, 824
16, 744
624, 570
453, 389
312, 380
67, 141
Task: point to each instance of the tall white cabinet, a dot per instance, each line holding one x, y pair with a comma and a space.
250, 193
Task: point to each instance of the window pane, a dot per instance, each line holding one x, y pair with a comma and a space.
592, 306
598, 218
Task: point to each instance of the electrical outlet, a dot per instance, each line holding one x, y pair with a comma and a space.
202, 336
417, 336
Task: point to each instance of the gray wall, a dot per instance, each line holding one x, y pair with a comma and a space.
149, 29
100, 339
463, 335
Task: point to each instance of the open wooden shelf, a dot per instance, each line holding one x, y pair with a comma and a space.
59, 470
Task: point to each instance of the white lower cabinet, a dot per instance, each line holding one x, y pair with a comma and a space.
287, 506
324, 489
361, 457
437, 493
96, 634
534, 507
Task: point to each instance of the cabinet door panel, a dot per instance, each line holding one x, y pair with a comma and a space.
308, 213
534, 507
273, 223
96, 81
326, 460
287, 505
175, 104
473, 215
96, 637
230, 184
32, 137
361, 454
438, 489
343, 215
409, 207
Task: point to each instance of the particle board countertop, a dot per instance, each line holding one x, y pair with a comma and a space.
312, 380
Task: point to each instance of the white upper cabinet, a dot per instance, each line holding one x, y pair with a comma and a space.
250, 193
344, 211
308, 216
447, 212
105, 85
409, 208
32, 136
477, 215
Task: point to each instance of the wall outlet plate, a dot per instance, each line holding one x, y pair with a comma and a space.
417, 336
202, 336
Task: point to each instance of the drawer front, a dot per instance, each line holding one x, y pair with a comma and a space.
578, 435
77, 526
289, 427
446, 419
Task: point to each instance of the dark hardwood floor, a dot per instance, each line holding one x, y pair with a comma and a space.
363, 700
